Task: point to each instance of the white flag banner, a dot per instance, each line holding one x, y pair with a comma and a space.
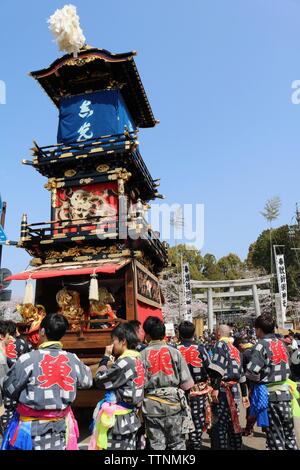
282, 284
170, 329
187, 292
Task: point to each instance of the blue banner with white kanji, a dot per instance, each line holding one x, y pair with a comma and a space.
3, 237
2, 233
93, 115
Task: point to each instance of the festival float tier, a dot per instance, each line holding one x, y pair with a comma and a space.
97, 260
126, 288
97, 160
98, 69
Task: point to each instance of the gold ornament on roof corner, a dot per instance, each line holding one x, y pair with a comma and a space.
69, 306
65, 27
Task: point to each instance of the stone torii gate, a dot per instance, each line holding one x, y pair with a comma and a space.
250, 289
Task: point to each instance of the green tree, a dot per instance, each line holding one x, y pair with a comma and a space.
259, 256
211, 270
231, 266
189, 255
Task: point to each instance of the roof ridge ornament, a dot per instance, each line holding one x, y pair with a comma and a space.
65, 27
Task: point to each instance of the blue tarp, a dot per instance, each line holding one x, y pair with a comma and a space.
93, 115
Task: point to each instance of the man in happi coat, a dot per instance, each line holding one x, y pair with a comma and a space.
16, 345
116, 421
165, 409
4, 339
226, 373
15, 348
198, 361
44, 383
268, 371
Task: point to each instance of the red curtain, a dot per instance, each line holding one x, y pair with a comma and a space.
144, 311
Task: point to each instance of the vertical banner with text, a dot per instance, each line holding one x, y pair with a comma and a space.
282, 284
187, 293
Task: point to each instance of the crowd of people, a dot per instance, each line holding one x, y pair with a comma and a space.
157, 394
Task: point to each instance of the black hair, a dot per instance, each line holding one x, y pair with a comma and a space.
186, 330
11, 328
55, 326
136, 324
126, 331
239, 340
266, 323
3, 328
155, 328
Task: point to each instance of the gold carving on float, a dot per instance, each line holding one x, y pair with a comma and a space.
86, 181
36, 262
33, 316
70, 173
51, 184
124, 175
66, 155
83, 258
80, 62
102, 307
60, 235
102, 168
84, 252
31, 313
69, 306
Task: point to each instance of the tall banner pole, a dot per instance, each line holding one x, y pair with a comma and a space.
281, 280
187, 292
2, 223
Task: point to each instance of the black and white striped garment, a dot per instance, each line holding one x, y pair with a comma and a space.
269, 363
280, 435
17, 347
126, 378
197, 359
227, 361
222, 434
47, 380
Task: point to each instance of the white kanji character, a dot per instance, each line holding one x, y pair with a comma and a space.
83, 132
85, 110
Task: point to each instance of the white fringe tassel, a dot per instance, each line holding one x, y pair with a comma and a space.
28, 295
94, 290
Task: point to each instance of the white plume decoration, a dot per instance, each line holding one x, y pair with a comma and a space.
65, 26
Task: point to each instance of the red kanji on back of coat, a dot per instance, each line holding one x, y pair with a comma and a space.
234, 353
160, 361
55, 371
140, 379
10, 350
279, 353
191, 355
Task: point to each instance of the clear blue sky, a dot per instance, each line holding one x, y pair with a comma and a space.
218, 75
